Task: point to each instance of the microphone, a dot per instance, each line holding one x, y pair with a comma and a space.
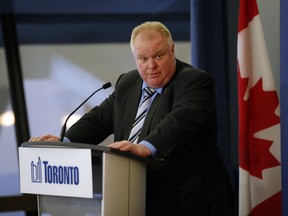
105, 86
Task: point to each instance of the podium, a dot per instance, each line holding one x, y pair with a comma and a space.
83, 179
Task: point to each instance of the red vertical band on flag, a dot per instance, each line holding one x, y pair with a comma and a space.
247, 11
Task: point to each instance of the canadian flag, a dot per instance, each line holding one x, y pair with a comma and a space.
259, 120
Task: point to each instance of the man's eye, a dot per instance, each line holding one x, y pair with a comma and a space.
159, 56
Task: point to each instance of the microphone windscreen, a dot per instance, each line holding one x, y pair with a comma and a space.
106, 85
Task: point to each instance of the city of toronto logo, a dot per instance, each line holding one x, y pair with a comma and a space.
36, 171
43, 172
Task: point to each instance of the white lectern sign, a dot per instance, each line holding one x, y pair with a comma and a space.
56, 171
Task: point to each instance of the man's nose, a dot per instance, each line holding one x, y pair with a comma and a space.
152, 64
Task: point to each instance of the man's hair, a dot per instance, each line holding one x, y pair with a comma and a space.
151, 25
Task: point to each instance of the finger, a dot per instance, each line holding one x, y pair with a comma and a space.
47, 137
52, 139
119, 145
127, 147
35, 139
32, 139
116, 145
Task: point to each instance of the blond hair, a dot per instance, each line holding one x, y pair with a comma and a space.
151, 25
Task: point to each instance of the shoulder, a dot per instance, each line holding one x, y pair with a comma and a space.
187, 75
185, 69
128, 81
127, 78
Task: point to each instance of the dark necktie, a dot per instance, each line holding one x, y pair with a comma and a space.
141, 114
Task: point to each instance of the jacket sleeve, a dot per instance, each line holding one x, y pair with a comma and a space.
95, 126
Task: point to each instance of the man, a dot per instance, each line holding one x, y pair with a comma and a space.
179, 128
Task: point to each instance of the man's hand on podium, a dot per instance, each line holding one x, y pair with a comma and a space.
47, 137
127, 146
123, 145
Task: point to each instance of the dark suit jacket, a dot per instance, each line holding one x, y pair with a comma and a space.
181, 124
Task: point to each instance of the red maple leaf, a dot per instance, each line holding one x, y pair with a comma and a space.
256, 114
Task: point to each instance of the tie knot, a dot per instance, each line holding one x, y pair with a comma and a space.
149, 91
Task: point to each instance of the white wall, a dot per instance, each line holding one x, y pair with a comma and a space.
270, 17
107, 61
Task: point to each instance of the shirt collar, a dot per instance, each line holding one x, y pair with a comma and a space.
159, 90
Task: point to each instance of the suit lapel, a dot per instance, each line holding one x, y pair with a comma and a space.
131, 107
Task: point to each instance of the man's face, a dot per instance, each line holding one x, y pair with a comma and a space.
155, 58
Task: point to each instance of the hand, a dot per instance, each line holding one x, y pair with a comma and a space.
127, 146
47, 137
